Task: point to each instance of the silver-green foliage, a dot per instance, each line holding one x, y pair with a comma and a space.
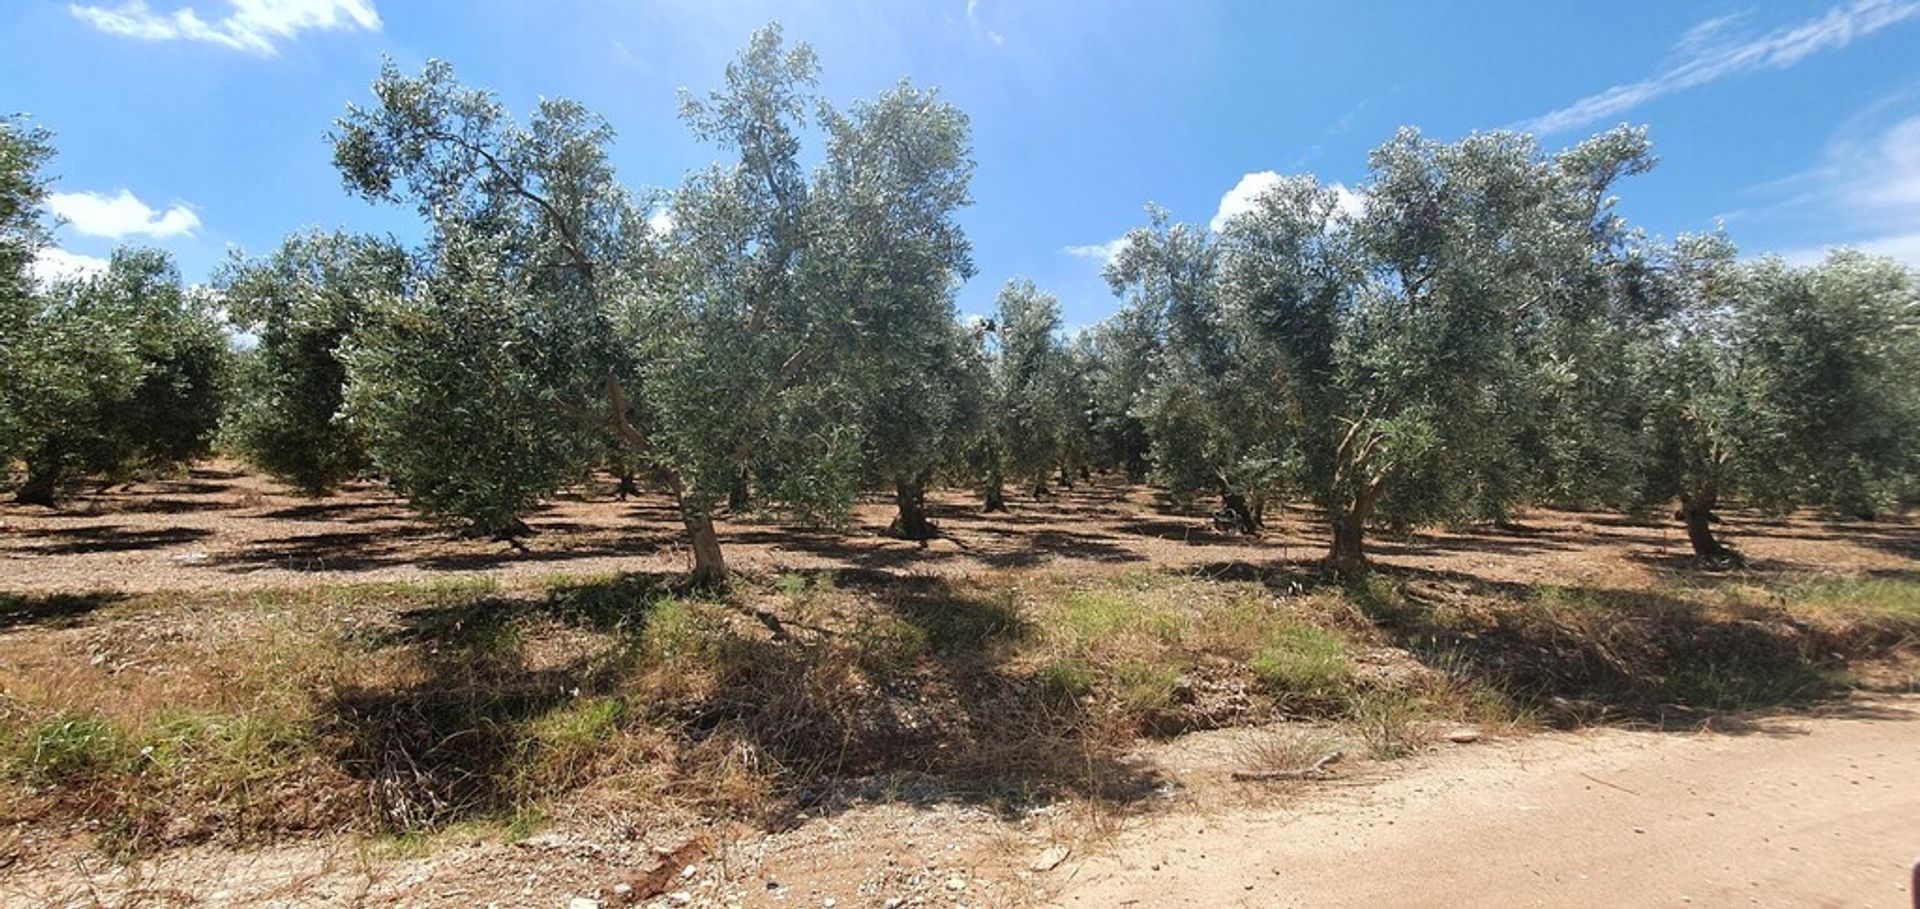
301, 305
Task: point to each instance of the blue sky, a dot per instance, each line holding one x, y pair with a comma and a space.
198, 125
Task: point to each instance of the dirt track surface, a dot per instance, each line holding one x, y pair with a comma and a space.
221, 527
1782, 812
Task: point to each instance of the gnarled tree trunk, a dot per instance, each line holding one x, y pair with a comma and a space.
1348, 553
1697, 512
627, 486
911, 522
42, 486
709, 566
1239, 515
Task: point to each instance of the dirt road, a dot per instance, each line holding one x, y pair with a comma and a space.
1788, 812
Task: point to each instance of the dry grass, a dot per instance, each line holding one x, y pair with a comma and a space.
400, 708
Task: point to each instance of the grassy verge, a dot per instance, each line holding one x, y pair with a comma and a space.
404, 709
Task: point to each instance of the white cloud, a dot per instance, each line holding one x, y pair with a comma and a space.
660, 222
120, 216
1867, 184
1707, 53
52, 264
254, 26
1100, 252
1239, 200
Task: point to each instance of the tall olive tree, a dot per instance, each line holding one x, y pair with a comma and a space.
885, 246
717, 347
1215, 427
1778, 385
302, 304
459, 384
25, 228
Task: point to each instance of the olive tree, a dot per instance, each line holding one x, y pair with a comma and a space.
548, 307
884, 246
1777, 385
1215, 427
302, 304
121, 373
1398, 340
1034, 403
25, 229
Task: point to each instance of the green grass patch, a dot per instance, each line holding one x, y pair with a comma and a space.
1302, 659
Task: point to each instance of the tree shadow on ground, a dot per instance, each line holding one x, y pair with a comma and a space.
51, 610
385, 547
1583, 654
824, 720
100, 538
1576, 655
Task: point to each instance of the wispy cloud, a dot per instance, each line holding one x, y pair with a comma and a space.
973, 22
254, 26
121, 215
1865, 190
1710, 51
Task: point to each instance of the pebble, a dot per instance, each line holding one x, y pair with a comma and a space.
1049, 858
1463, 736
956, 884
680, 897
581, 902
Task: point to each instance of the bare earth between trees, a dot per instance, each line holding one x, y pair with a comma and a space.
220, 527
214, 690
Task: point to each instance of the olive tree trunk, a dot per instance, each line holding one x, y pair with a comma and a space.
42, 486
709, 565
1240, 515
1697, 512
1347, 554
911, 523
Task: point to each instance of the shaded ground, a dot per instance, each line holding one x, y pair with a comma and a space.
223, 528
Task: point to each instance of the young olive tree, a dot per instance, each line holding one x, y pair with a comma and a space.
302, 304
120, 373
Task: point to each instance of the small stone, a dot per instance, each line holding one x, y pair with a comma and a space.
1464, 736
956, 884
581, 902
623, 890
1049, 858
829, 902
680, 897
893, 902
